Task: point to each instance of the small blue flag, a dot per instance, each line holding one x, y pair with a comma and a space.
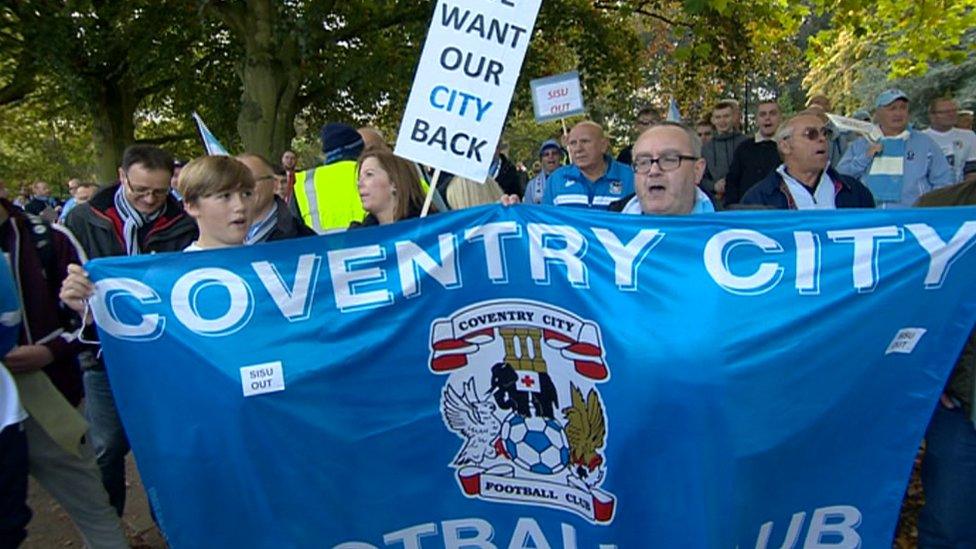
674, 115
210, 143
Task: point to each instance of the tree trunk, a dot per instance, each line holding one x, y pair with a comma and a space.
113, 110
271, 75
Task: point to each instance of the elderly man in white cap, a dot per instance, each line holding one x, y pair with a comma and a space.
901, 166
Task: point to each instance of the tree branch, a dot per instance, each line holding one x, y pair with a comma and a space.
234, 16
387, 20
161, 85
163, 139
642, 10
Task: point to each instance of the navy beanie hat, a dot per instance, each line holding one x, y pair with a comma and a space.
340, 142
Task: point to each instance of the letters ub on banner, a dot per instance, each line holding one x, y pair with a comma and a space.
509, 377
464, 84
557, 96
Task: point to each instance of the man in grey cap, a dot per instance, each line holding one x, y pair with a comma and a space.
551, 155
901, 166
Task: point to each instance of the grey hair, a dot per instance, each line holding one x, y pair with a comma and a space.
696, 143
785, 130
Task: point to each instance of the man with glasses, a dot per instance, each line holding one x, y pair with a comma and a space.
805, 181
273, 220
594, 179
958, 146
902, 165
668, 167
137, 215
646, 118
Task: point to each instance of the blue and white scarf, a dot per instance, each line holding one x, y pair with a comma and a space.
821, 199
132, 220
261, 228
885, 177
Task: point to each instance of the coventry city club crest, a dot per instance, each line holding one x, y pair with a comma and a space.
522, 395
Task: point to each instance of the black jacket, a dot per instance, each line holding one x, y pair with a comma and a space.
751, 163
98, 227
287, 225
772, 192
371, 221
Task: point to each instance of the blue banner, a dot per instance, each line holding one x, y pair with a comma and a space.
542, 377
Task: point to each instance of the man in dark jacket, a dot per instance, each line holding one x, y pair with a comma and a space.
646, 117
756, 157
273, 220
949, 468
718, 152
135, 216
46, 371
42, 203
804, 181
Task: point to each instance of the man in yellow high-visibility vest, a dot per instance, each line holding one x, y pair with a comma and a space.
325, 197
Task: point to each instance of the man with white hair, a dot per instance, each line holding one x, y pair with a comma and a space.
805, 181
668, 166
594, 179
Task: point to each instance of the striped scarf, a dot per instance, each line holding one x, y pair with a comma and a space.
261, 228
885, 178
132, 220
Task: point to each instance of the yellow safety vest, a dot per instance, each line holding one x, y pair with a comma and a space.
329, 199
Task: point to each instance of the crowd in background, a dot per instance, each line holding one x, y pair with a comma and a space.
804, 161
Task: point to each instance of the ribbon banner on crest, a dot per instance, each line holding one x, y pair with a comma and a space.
542, 377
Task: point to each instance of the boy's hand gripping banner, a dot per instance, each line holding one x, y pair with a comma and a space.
539, 377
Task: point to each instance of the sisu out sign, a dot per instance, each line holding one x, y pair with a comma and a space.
464, 84
557, 96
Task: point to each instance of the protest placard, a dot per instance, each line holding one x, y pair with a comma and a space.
557, 96
464, 84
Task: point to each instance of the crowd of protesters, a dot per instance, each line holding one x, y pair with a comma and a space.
158, 204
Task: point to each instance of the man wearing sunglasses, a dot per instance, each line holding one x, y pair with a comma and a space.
136, 215
805, 181
902, 165
667, 167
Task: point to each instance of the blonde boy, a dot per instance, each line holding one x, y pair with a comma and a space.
218, 192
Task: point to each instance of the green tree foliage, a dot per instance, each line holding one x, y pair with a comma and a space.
266, 74
41, 143
866, 39
105, 59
